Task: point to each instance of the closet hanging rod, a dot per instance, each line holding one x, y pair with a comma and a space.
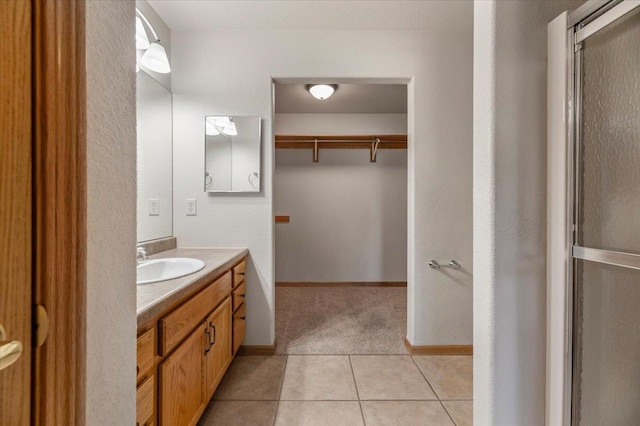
340, 142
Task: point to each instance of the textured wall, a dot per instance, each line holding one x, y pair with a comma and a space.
348, 215
509, 194
111, 218
438, 66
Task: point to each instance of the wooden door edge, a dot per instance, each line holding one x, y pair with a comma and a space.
58, 381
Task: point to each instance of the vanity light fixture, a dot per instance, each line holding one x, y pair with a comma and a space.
142, 41
322, 91
210, 127
216, 125
155, 58
230, 129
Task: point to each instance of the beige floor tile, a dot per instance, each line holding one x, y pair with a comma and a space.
318, 377
461, 411
389, 377
451, 376
254, 378
239, 413
319, 413
405, 413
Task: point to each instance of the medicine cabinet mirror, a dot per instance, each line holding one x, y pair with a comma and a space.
232, 153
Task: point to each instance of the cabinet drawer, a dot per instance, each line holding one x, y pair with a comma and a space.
239, 326
145, 353
145, 402
179, 323
239, 295
238, 273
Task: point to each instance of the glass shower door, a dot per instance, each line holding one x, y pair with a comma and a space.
606, 251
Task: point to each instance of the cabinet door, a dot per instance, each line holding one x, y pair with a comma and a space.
219, 354
181, 381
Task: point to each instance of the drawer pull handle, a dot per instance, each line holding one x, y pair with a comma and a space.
137, 370
206, 331
241, 273
213, 326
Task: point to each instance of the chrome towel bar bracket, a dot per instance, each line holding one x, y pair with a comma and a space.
452, 264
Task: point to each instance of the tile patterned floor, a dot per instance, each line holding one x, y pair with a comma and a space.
350, 390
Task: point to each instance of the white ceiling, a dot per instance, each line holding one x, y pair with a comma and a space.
348, 99
320, 15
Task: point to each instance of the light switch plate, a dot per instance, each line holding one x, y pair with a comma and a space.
192, 207
154, 207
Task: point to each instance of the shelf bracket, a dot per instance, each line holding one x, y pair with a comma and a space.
374, 150
315, 151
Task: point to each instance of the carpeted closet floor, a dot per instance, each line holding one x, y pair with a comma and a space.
340, 320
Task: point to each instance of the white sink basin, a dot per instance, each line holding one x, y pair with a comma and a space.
151, 271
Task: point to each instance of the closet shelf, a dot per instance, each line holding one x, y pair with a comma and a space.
340, 141
371, 142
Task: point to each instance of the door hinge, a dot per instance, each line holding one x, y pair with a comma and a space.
40, 325
578, 46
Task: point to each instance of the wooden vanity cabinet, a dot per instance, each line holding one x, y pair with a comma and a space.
193, 345
238, 297
145, 378
181, 382
218, 353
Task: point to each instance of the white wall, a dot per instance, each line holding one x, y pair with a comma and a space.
111, 218
438, 65
509, 209
340, 124
348, 215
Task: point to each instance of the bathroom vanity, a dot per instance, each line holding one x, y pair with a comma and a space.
189, 330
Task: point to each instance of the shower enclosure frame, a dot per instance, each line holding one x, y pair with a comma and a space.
585, 21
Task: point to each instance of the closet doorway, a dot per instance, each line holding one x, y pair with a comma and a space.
340, 205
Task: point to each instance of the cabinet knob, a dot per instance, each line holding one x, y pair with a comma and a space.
243, 295
137, 370
243, 318
241, 273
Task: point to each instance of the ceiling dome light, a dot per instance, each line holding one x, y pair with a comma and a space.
321, 91
155, 58
142, 41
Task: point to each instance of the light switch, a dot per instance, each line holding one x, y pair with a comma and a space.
154, 207
192, 207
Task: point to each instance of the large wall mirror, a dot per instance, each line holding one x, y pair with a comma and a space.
155, 159
232, 154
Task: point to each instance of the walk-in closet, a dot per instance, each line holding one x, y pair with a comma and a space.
340, 207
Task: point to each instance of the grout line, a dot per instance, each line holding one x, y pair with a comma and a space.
448, 413
284, 371
340, 400
425, 377
355, 383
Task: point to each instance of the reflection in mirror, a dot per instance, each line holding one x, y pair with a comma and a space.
232, 154
155, 159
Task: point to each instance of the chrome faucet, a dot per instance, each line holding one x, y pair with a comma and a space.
141, 255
